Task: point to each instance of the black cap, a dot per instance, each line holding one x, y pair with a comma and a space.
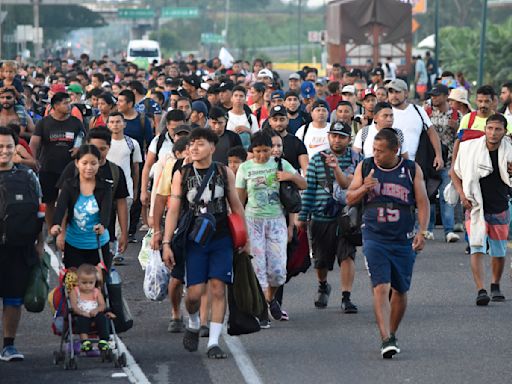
193, 80
226, 86
278, 111
439, 89
378, 71
320, 103
355, 72
182, 128
340, 128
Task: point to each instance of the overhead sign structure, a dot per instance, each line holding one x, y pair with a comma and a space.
212, 38
135, 13
180, 13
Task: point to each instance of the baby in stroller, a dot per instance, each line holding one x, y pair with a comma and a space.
88, 305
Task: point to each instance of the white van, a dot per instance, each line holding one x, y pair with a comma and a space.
143, 52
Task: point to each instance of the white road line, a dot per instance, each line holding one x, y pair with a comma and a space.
242, 359
132, 369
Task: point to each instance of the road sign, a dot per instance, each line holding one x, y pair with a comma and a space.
135, 13
212, 38
180, 13
316, 36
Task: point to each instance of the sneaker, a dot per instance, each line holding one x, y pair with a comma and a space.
348, 307
131, 238
264, 324
482, 298
86, 346
118, 260
275, 309
103, 345
389, 348
284, 316
323, 295
496, 295
10, 353
175, 326
144, 228
429, 235
204, 331
452, 237
459, 227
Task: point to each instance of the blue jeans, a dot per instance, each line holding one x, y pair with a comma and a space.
447, 211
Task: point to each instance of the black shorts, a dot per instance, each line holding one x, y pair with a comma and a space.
327, 245
15, 269
48, 181
74, 257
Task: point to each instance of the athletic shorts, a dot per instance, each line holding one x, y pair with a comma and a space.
214, 261
327, 245
15, 270
75, 257
48, 181
178, 271
390, 263
497, 226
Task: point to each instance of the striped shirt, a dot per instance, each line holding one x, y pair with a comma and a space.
317, 194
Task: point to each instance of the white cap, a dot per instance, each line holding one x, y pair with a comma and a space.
205, 86
349, 89
265, 73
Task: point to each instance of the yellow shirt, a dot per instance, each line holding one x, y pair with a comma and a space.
478, 124
164, 184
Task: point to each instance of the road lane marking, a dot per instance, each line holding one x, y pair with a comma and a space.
132, 369
242, 359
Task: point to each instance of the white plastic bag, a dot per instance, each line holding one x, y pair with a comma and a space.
450, 194
145, 249
156, 278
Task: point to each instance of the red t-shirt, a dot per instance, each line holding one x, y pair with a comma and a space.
333, 101
25, 145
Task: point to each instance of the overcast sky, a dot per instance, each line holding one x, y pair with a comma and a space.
311, 3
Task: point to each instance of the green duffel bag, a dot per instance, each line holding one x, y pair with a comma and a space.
38, 287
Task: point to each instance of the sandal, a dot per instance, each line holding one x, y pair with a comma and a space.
191, 340
215, 352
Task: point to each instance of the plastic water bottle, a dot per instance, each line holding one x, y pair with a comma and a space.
41, 212
114, 277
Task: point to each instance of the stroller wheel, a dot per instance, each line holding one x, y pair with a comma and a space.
71, 364
56, 358
104, 356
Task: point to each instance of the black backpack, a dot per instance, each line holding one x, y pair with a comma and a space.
19, 206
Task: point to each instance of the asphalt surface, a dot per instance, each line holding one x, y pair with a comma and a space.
444, 338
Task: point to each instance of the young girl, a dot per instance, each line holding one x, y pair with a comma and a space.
88, 305
257, 183
83, 212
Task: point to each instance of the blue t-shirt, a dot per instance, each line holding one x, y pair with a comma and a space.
135, 130
80, 231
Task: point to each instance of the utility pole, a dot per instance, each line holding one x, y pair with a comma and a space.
226, 21
38, 43
482, 44
300, 32
436, 27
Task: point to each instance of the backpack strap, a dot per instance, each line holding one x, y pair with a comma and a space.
221, 170
306, 127
424, 125
142, 120
472, 117
114, 169
160, 143
131, 147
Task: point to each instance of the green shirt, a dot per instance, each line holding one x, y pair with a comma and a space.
260, 182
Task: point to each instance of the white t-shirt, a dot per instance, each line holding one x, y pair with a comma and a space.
119, 154
409, 122
368, 143
237, 120
164, 153
315, 140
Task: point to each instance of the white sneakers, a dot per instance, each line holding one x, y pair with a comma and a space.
452, 237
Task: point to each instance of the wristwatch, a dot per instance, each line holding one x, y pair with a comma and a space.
424, 233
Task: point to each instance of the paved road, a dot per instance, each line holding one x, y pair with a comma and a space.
445, 338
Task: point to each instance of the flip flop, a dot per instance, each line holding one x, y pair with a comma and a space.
215, 352
191, 340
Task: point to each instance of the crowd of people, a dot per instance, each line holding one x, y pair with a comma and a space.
112, 149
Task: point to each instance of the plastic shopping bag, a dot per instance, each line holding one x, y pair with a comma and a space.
145, 249
156, 278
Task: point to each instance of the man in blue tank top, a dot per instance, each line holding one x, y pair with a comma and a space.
389, 188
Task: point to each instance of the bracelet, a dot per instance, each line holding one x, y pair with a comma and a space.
156, 232
166, 242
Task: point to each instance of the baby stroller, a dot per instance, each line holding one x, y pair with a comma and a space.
63, 323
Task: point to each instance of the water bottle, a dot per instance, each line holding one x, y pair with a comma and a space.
114, 277
41, 211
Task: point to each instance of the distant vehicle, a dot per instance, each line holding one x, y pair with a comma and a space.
143, 52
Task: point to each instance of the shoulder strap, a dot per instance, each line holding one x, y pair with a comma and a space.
221, 169
328, 176
142, 119
364, 136
306, 127
421, 117
248, 114
204, 183
114, 169
279, 164
472, 117
367, 166
159, 143
131, 147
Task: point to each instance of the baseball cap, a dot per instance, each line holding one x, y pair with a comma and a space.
354, 72
55, 88
307, 90
320, 104
265, 73
278, 111
398, 85
182, 128
200, 106
192, 80
106, 84
439, 89
75, 88
367, 92
378, 71
226, 86
320, 81
205, 86
340, 128
277, 94
294, 76
349, 89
